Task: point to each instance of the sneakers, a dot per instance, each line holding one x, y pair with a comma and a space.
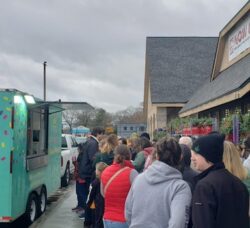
76, 209
82, 216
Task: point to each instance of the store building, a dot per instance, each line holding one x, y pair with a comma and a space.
228, 90
175, 68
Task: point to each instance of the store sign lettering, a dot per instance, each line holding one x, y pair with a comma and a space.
239, 40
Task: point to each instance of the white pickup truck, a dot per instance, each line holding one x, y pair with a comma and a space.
68, 153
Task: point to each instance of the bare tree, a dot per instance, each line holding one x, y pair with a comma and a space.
129, 115
70, 118
85, 117
102, 118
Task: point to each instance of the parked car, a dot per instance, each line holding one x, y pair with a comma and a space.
68, 153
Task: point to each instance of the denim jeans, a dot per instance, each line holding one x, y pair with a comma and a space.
82, 191
113, 224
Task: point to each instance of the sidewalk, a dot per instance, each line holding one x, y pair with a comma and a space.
60, 215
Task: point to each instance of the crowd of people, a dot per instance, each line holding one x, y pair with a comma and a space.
174, 183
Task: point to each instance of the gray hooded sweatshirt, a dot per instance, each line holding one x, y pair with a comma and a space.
158, 198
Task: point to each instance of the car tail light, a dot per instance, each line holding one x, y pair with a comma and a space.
5, 219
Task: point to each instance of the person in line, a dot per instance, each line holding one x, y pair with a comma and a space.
133, 144
116, 181
220, 199
86, 169
186, 140
95, 202
187, 172
159, 197
106, 153
146, 150
232, 161
79, 181
122, 141
233, 164
145, 135
246, 152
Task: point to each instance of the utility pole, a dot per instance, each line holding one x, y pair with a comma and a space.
44, 80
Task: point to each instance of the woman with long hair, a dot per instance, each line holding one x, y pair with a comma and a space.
106, 147
232, 161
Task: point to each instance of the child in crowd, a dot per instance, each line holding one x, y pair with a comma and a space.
95, 201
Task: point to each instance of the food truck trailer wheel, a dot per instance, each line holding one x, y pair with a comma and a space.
42, 200
31, 208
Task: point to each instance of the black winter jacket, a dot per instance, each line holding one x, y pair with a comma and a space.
220, 200
96, 197
86, 169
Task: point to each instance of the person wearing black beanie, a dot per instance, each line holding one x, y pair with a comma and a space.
210, 147
219, 199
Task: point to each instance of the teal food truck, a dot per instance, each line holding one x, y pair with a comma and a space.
30, 160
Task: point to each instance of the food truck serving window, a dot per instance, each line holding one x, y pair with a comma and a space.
37, 131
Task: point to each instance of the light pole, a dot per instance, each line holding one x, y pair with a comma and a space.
44, 80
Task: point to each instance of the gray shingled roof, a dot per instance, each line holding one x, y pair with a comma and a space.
228, 81
178, 66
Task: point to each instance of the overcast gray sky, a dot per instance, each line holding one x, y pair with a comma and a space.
95, 49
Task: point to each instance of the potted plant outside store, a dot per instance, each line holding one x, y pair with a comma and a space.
245, 125
196, 124
208, 125
226, 127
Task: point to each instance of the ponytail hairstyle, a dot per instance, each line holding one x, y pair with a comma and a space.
121, 153
168, 151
